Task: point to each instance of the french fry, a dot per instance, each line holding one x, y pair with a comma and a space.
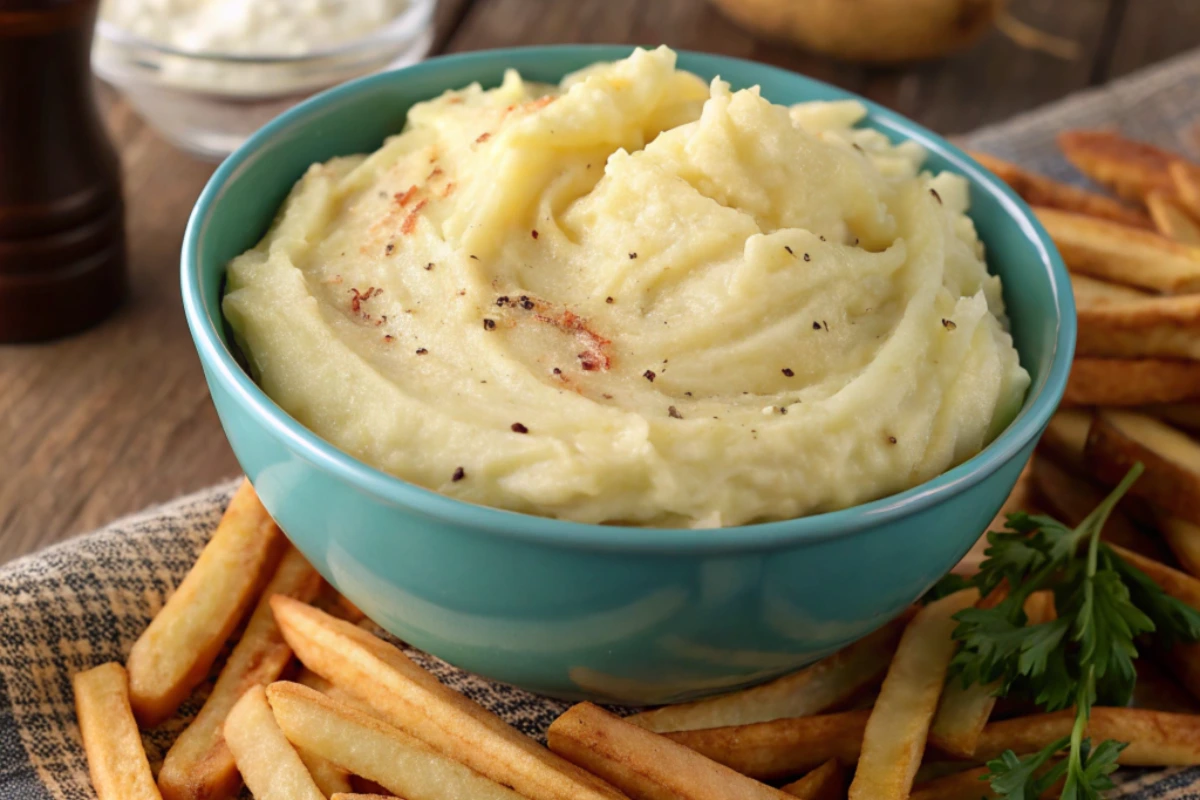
894, 740
1156, 738
368, 747
356, 796
1171, 220
646, 765
963, 711
174, 654
1038, 190
1119, 439
1093, 292
1131, 169
328, 776
1186, 179
1165, 327
116, 759
1183, 538
414, 701
1066, 436
968, 785
1071, 499
199, 766
1118, 253
1181, 415
782, 748
826, 782
270, 766
826, 684
1131, 382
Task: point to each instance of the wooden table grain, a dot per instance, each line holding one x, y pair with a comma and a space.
108, 422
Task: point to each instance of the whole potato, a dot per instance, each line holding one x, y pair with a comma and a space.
878, 31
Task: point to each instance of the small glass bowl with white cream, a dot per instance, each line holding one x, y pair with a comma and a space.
208, 73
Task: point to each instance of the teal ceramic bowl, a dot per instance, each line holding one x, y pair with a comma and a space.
587, 611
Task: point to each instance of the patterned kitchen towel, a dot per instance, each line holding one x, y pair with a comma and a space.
85, 601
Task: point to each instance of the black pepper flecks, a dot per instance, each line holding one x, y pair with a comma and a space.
534, 233
489, 324
673, 413
608, 300
816, 325
391, 248
791, 252
807, 257
526, 303
822, 238
557, 371
649, 375
429, 266
519, 428
689, 394
891, 440
503, 300
949, 324
935, 194
421, 351
475, 257
781, 409
632, 256
459, 474
787, 371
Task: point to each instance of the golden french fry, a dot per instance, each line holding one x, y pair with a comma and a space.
1038, 190
826, 782
199, 765
1119, 439
1165, 327
174, 654
329, 777
963, 711
781, 748
357, 796
968, 785
1066, 436
894, 740
269, 765
1185, 416
372, 749
1172, 220
1071, 499
414, 701
116, 759
1183, 538
826, 684
1156, 738
646, 765
1131, 169
1131, 382
1121, 254
1186, 179
1092, 292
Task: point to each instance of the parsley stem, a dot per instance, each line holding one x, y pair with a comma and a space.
1094, 522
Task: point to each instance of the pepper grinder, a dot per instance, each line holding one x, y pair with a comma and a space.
62, 228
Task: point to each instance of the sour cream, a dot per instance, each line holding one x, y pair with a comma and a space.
252, 27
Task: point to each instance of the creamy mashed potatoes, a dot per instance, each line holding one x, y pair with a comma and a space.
633, 298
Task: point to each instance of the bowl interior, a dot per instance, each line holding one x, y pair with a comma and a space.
243, 196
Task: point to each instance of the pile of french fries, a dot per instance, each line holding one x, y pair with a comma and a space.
310, 705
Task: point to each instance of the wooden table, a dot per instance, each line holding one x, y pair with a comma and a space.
108, 422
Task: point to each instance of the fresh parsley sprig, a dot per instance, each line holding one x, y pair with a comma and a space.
1083, 656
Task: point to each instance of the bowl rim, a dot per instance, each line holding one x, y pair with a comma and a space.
221, 366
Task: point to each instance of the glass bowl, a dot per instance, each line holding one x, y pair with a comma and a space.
209, 103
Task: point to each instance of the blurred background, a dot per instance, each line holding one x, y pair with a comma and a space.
104, 422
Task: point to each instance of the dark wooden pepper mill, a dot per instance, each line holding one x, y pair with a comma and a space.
62, 229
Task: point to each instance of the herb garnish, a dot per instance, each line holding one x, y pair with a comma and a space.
1082, 657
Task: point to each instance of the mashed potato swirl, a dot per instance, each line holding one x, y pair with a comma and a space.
633, 298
